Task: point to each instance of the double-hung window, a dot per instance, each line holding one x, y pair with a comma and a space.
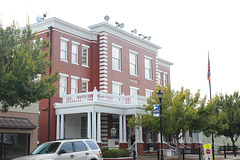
148, 68
116, 88
85, 55
63, 49
165, 78
159, 78
85, 85
75, 52
148, 93
63, 84
116, 57
133, 63
74, 84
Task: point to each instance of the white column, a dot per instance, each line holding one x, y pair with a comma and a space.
120, 128
94, 126
200, 137
58, 127
140, 134
124, 129
136, 134
159, 137
62, 126
99, 127
194, 138
89, 133
187, 139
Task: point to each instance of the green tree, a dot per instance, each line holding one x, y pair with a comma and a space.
180, 110
24, 63
228, 116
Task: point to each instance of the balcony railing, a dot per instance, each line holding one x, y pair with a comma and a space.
104, 97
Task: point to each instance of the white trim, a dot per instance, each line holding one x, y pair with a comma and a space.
103, 87
165, 72
103, 71
103, 83
103, 45
103, 75
103, 67
134, 52
103, 37
115, 45
103, 64
103, 79
103, 52
131, 87
148, 57
64, 75
103, 41
85, 79
65, 39
103, 56
157, 70
75, 77
149, 90
103, 60
84, 45
118, 83
103, 49
77, 43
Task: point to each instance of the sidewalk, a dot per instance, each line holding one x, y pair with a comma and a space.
192, 157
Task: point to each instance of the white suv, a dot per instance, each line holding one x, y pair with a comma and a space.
74, 149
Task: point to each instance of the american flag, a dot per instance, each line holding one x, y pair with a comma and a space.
209, 73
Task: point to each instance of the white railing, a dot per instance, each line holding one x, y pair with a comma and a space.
103, 97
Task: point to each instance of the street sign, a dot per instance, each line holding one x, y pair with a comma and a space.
208, 152
156, 110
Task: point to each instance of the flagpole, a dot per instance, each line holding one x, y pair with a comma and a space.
210, 89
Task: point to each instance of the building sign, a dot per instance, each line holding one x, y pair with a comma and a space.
156, 110
208, 152
134, 81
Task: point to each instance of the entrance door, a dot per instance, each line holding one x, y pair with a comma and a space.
13, 145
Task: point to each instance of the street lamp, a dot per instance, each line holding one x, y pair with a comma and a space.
160, 96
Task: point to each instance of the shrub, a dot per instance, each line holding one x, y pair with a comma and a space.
115, 153
103, 149
124, 152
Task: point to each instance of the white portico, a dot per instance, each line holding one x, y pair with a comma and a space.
85, 115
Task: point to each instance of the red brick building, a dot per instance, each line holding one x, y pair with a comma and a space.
106, 75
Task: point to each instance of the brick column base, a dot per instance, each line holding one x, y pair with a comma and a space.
123, 145
140, 148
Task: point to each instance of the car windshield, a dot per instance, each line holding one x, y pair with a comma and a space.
46, 148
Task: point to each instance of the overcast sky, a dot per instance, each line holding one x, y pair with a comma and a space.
185, 29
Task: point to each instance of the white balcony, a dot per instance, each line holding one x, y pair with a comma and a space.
96, 96
101, 102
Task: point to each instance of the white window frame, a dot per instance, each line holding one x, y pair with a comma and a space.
148, 69
135, 65
118, 85
148, 93
165, 77
85, 47
74, 78
160, 78
75, 61
63, 88
133, 90
65, 59
115, 59
85, 80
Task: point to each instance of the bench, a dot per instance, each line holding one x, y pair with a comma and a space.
228, 149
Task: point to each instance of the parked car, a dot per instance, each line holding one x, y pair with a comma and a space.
74, 149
